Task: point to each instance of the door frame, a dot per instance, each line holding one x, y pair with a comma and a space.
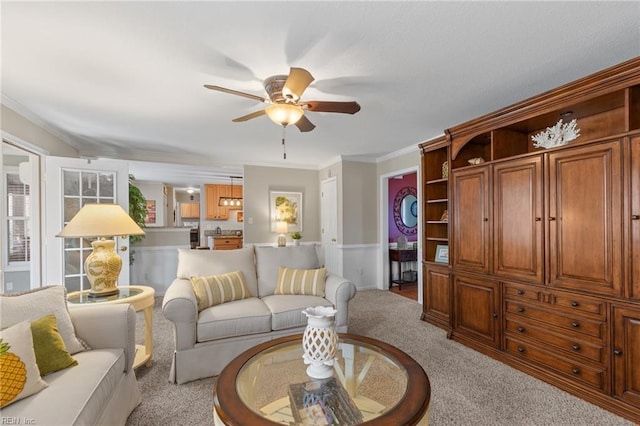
383, 252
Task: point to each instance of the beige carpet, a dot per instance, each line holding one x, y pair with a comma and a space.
467, 388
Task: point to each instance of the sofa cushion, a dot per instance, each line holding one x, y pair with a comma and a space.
35, 304
19, 373
237, 318
269, 259
204, 263
309, 282
287, 309
218, 289
51, 354
76, 395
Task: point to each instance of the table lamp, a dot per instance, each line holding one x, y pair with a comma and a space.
103, 265
281, 228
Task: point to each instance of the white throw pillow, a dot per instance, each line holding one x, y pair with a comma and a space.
35, 304
19, 373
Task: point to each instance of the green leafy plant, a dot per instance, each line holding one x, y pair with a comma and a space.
296, 235
137, 211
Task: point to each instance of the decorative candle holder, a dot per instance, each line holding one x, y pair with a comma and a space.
320, 341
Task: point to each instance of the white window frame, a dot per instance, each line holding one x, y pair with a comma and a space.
8, 265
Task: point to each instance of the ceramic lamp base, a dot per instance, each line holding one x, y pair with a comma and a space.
103, 267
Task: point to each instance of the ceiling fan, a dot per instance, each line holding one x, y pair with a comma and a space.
284, 104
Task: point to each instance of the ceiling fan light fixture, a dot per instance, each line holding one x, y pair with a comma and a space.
284, 114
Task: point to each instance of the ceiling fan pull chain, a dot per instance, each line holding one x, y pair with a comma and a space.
284, 147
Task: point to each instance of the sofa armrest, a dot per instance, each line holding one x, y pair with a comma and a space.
107, 327
338, 290
181, 308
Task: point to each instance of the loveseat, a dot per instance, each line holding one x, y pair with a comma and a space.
206, 340
102, 388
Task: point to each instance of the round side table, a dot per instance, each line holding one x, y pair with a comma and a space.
141, 298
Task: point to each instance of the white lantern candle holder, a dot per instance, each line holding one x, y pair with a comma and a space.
320, 341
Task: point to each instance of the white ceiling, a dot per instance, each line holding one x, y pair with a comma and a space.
125, 79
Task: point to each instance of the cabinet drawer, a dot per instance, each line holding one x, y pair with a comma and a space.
573, 347
521, 292
575, 323
582, 304
227, 244
591, 376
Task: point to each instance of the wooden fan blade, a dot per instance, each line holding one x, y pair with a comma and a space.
304, 125
235, 92
249, 116
323, 106
299, 79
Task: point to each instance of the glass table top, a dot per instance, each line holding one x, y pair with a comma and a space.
83, 297
367, 382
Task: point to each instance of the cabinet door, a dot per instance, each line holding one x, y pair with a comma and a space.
585, 226
212, 195
477, 306
517, 220
471, 225
626, 354
436, 306
634, 247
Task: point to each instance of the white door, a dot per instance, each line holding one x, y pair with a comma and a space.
70, 183
329, 219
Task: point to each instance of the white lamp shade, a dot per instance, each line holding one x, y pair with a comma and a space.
284, 114
100, 220
281, 227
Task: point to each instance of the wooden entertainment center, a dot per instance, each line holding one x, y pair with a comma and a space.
544, 244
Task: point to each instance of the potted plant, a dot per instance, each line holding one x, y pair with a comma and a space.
296, 236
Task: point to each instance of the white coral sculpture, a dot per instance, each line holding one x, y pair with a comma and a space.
558, 135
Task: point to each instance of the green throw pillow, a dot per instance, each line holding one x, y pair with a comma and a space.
218, 289
309, 282
51, 353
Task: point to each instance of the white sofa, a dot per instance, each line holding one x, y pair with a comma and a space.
102, 389
206, 341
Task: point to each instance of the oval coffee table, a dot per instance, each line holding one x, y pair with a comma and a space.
374, 383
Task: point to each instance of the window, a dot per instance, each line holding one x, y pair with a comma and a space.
18, 221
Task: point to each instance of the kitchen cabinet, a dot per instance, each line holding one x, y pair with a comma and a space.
190, 210
227, 243
213, 211
634, 223
213, 192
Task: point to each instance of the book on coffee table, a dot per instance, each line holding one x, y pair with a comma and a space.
323, 402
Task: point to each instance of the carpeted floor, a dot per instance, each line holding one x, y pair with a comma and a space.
467, 388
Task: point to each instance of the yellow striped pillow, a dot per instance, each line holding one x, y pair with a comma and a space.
308, 282
218, 289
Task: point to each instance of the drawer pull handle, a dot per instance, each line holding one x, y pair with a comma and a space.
576, 371
520, 292
538, 219
635, 217
520, 309
576, 347
575, 324
552, 219
521, 329
617, 352
495, 315
575, 304
520, 349
486, 219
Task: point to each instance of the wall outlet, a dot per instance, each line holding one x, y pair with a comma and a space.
8, 286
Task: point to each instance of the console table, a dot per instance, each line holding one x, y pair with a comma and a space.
400, 256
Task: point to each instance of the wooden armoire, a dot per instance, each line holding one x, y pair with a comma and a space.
543, 265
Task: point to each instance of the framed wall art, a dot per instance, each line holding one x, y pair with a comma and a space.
442, 254
285, 206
